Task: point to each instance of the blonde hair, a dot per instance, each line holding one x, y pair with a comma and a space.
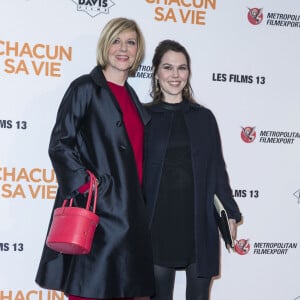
110, 31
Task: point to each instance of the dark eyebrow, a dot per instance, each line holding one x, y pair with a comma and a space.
168, 64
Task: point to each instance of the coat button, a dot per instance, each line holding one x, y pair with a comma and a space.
122, 147
119, 123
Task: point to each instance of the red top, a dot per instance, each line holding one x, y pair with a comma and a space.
134, 128
132, 123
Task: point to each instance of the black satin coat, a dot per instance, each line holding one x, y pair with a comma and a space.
89, 134
209, 172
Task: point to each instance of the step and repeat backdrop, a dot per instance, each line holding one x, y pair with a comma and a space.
245, 68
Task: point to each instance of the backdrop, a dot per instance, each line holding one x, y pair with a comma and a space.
245, 68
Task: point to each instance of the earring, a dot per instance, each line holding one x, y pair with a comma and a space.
157, 86
186, 89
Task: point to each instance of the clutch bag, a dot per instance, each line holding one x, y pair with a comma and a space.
223, 223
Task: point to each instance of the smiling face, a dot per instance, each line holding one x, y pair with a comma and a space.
122, 53
172, 75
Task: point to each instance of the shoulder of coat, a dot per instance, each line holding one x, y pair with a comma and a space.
82, 80
94, 79
200, 108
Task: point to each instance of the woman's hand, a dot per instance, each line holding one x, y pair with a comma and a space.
233, 228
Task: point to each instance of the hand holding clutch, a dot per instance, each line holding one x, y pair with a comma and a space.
226, 227
233, 228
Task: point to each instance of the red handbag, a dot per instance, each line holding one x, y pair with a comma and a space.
73, 228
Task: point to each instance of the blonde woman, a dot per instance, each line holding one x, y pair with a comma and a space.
100, 127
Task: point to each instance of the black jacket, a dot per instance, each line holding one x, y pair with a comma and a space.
209, 171
89, 134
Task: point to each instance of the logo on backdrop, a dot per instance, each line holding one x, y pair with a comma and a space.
13, 124
31, 294
33, 59
94, 7
242, 246
248, 135
143, 71
276, 248
283, 20
22, 183
243, 193
255, 15
239, 78
184, 12
297, 195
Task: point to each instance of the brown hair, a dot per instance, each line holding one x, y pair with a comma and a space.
163, 47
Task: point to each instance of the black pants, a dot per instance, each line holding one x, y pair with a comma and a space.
197, 288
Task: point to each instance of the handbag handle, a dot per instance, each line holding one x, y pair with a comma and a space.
93, 187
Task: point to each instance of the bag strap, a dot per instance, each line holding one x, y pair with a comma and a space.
93, 188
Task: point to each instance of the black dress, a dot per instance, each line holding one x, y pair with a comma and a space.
172, 230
